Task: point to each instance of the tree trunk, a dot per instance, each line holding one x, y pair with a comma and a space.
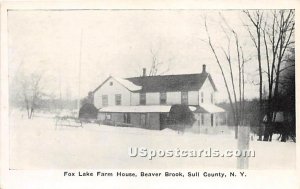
27, 108
28, 112
260, 90
31, 113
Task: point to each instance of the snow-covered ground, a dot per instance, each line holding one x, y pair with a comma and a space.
36, 144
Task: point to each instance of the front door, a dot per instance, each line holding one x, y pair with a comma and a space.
143, 120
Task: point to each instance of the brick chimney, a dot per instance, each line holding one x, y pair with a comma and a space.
144, 72
203, 68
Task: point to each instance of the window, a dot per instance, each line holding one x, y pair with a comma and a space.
127, 118
118, 99
108, 116
202, 97
143, 98
104, 100
111, 83
163, 98
184, 97
212, 98
202, 119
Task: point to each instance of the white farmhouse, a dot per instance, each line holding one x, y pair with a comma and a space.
145, 101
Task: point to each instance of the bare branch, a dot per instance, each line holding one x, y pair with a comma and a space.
221, 69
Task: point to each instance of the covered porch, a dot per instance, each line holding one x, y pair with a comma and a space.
208, 119
149, 117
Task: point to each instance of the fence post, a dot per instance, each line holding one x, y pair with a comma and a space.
243, 145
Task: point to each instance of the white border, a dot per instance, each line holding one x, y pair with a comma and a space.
54, 179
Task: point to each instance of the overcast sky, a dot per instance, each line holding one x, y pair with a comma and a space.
119, 42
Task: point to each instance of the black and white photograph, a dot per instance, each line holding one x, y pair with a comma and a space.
151, 89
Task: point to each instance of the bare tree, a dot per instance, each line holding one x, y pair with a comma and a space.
287, 96
157, 65
277, 39
256, 18
274, 33
30, 90
237, 106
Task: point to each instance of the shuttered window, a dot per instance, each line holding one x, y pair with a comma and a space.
118, 99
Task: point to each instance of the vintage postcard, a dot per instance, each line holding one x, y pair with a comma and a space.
92, 96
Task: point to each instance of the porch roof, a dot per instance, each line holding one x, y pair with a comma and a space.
140, 109
209, 108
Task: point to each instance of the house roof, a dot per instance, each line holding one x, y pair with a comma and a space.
129, 85
184, 82
188, 82
126, 83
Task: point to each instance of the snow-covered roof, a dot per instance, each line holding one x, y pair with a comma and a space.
209, 108
128, 84
140, 109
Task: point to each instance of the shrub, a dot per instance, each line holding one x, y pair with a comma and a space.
181, 117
